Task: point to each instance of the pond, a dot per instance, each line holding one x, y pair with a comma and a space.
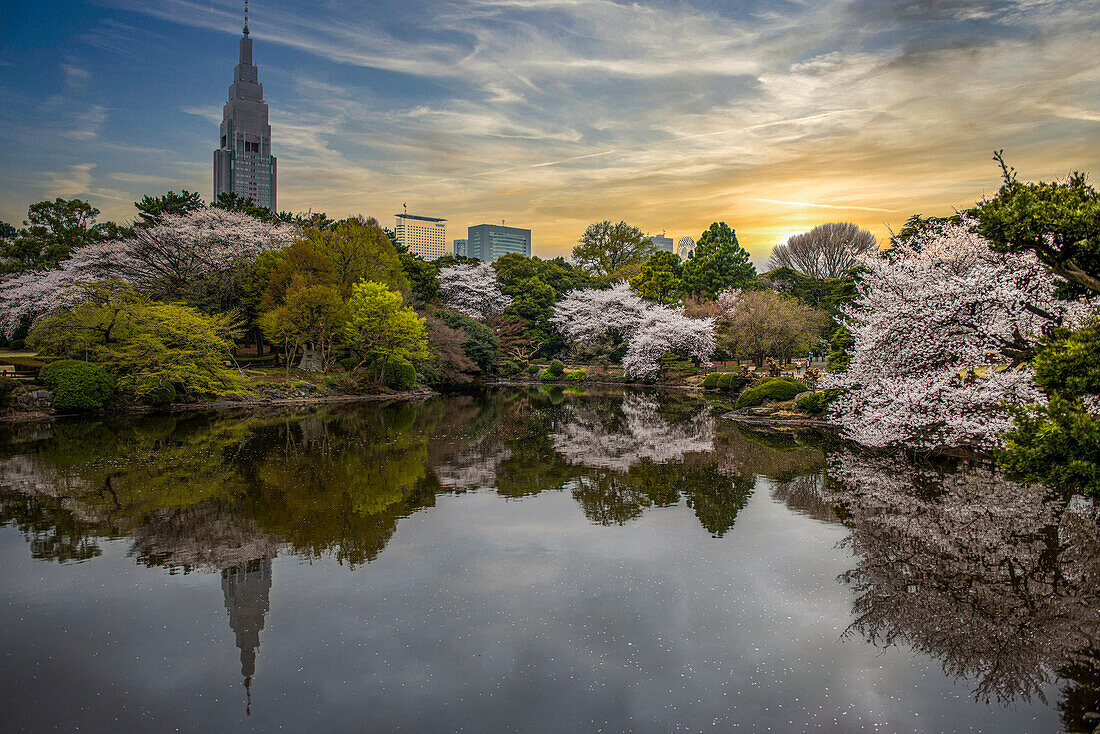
530, 560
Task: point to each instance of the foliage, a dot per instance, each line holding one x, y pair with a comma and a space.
650, 330
710, 382
151, 209
659, 280
773, 389
1057, 444
423, 277
1059, 222
52, 232
400, 374
816, 403
313, 317
146, 345
380, 327
765, 324
556, 368
481, 344
77, 385
725, 381
576, 375
472, 290
825, 252
941, 333
717, 263
827, 295
612, 251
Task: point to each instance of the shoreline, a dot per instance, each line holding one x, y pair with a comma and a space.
28, 417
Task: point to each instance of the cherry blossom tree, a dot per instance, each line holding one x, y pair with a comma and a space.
649, 329
194, 256
473, 290
942, 329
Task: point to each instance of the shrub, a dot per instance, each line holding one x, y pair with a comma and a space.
576, 375
816, 402
773, 389
348, 363
511, 367
400, 374
7, 389
556, 368
77, 385
710, 382
533, 369
725, 381
545, 375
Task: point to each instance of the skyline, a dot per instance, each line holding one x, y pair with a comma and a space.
552, 114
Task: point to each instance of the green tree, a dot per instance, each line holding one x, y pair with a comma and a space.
152, 208
151, 348
718, 262
612, 251
1059, 444
1058, 221
380, 328
660, 279
314, 317
360, 250
51, 232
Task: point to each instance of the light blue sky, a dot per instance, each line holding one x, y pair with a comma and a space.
772, 116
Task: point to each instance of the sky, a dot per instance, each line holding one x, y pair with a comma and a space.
552, 114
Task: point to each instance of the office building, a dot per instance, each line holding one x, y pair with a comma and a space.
243, 164
684, 247
489, 241
460, 248
661, 242
423, 236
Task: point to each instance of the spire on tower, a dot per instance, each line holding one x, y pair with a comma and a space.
246, 17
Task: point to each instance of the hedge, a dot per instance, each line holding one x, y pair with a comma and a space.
576, 375
710, 382
556, 368
77, 385
776, 389
725, 381
816, 402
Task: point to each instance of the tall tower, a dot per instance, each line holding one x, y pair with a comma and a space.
243, 165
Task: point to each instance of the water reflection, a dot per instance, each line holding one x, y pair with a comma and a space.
996, 581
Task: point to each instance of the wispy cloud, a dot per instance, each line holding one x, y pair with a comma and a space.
554, 113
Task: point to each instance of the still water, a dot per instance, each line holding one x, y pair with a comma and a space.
533, 561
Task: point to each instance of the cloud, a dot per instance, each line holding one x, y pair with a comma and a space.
87, 123
555, 113
72, 181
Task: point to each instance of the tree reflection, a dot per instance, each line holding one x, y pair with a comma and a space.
999, 581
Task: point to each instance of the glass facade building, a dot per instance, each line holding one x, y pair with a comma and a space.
489, 241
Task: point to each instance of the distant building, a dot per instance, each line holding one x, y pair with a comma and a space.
489, 241
661, 242
423, 236
243, 164
461, 249
684, 247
